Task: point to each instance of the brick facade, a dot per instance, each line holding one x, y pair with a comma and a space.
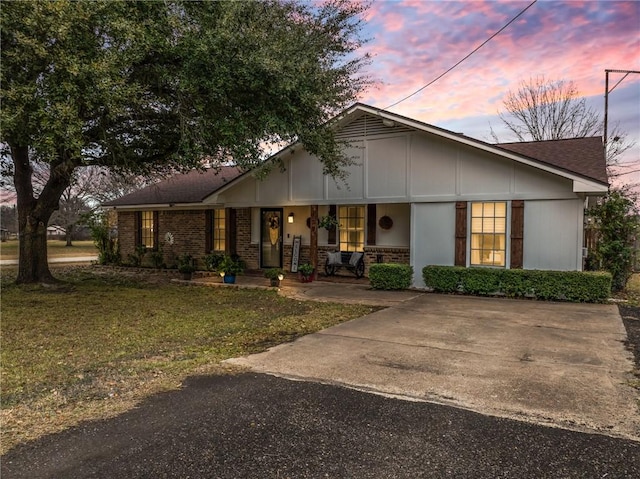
248, 252
188, 229
186, 226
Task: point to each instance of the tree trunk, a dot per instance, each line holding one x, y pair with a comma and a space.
34, 214
68, 232
33, 266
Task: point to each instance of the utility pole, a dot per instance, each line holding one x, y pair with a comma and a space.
606, 97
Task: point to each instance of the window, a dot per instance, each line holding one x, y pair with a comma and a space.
488, 234
147, 229
218, 230
351, 220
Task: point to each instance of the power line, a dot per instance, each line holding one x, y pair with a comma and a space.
454, 66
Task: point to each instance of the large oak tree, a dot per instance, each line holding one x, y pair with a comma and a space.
143, 87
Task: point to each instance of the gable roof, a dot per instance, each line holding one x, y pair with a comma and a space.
578, 155
191, 187
582, 157
578, 159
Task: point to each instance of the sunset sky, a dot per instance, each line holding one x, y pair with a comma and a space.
414, 41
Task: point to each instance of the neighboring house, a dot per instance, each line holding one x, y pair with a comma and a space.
56, 232
417, 194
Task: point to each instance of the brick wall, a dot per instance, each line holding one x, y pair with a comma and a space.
126, 233
248, 252
187, 227
188, 230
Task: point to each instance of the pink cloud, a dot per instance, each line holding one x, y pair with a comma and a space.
573, 41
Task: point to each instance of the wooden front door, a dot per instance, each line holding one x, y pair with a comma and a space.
271, 238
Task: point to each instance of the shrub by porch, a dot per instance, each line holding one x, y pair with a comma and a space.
390, 276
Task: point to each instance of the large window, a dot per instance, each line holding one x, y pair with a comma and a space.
351, 220
488, 234
218, 230
147, 229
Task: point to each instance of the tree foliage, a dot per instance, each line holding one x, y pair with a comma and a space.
617, 222
147, 87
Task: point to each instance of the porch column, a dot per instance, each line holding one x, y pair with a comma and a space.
313, 240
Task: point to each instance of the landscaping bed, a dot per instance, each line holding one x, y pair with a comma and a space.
631, 319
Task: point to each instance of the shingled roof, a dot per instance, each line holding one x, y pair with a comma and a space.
584, 156
192, 187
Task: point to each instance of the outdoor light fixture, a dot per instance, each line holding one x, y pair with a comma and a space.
388, 123
280, 277
290, 218
222, 274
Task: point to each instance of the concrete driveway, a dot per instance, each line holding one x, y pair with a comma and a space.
557, 364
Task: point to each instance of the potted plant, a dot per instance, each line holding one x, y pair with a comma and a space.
306, 272
186, 266
328, 222
275, 275
229, 267
213, 261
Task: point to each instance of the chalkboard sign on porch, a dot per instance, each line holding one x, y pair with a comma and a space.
295, 254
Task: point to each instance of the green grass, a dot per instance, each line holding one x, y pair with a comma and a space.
55, 249
93, 346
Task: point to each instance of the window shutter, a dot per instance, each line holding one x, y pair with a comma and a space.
156, 231
208, 231
517, 233
331, 239
137, 228
371, 224
461, 234
230, 230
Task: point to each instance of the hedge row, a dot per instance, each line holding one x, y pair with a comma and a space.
576, 286
390, 276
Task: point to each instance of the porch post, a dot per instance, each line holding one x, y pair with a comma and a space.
313, 240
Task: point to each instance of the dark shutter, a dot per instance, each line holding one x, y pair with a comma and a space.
156, 231
208, 231
137, 228
371, 225
461, 234
230, 230
517, 233
331, 239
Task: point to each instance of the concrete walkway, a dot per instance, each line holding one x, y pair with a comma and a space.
559, 364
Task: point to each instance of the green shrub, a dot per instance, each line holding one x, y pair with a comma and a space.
576, 286
481, 281
443, 279
390, 276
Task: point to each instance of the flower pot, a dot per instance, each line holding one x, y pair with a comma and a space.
229, 278
275, 282
306, 279
187, 276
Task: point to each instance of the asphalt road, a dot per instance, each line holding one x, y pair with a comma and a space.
258, 426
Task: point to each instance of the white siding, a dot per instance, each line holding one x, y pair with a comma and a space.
409, 167
432, 237
553, 235
387, 168
399, 234
307, 180
354, 187
433, 166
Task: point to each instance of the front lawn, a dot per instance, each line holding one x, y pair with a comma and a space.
55, 249
96, 345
